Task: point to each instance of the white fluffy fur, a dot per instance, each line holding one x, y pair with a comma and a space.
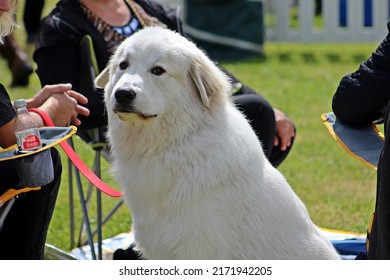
193, 171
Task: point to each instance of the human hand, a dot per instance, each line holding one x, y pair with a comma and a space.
63, 108
41, 96
284, 130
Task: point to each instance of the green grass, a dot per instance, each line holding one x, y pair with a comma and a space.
299, 79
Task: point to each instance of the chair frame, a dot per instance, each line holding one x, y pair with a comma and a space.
86, 234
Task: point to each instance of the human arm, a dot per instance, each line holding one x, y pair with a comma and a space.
62, 108
41, 96
61, 104
362, 96
7, 119
59, 59
7, 137
58, 101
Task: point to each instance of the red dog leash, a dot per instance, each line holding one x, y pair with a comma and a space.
81, 166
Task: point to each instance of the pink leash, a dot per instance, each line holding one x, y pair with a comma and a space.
81, 166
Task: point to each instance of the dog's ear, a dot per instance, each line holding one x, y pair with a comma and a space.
196, 76
208, 79
102, 79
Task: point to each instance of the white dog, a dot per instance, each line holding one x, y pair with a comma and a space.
193, 171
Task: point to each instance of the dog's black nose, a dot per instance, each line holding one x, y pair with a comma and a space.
124, 96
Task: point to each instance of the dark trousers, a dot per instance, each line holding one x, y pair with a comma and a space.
379, 237
262, 119
32, 15
261, 116
23, 234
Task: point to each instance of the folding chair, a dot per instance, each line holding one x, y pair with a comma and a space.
7, 199
50, 137
361, 142
95, 139
86, 234
82, 168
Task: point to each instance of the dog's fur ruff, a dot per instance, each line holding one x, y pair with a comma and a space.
193, 171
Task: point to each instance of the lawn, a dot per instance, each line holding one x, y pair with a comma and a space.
299, 79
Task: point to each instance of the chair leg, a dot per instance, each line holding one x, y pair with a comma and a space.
4, 210
86, 233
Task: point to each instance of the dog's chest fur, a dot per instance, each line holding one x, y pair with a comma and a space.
188, 189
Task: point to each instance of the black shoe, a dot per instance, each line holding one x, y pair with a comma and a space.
21, 71
18, 61
128, 254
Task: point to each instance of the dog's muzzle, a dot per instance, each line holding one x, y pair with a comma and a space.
124, 100
125, 97
125, 103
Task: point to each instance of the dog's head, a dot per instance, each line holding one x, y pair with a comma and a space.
156, 71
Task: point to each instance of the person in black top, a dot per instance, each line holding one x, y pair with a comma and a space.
109, 22
361, 98
23, 233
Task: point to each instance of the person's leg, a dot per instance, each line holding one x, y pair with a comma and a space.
379, 237
261, 117
32, 18
18, 61
24, 231
8, 175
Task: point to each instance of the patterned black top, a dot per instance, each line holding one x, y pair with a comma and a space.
113, 35
7, 111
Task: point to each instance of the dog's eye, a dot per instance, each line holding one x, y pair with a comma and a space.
123, 65
158, 71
